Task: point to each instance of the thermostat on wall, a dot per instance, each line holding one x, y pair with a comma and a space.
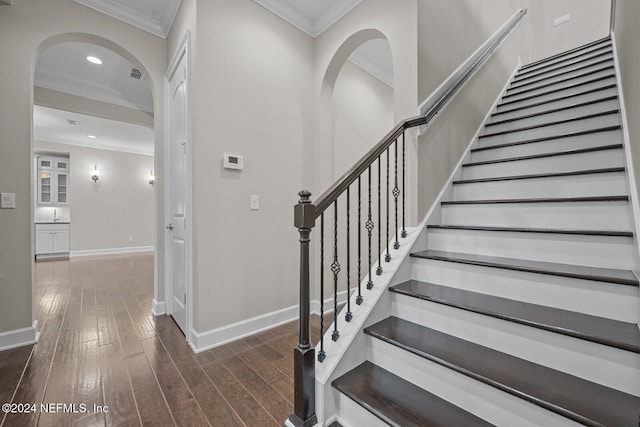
232, 161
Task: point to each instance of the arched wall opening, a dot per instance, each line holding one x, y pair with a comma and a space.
115, 214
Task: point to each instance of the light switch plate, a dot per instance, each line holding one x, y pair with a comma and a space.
8, 200
254, 203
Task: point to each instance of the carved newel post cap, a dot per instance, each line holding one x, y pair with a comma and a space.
305, 196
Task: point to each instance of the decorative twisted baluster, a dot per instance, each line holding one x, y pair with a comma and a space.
335, 268
359, 297
396, 190
379, 269
348, 316
321, 353
387, 257
370, 225
404, 190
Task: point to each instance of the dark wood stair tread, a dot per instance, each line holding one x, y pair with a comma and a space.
583, 401
608, 332
335, 424
513, 91
398, 402
540, 176
610, 233
545, 155
548, 138
554, 110
571, 62
539, 200
603, 41
554, 123
609, 275
598, 60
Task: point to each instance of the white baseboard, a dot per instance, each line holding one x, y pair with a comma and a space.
112, 251
158, 308
202, 341
19, 337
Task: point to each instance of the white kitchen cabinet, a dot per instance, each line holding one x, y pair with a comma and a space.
53, 180
52, 239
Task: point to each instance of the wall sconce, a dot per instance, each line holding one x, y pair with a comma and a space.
94, 174
152, 179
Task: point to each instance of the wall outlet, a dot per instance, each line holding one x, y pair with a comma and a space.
8, 200
561, 20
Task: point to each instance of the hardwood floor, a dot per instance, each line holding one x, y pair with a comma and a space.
101, 346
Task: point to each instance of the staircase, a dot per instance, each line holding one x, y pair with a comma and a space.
522, 307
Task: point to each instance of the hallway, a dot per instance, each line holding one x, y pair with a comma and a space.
101, 346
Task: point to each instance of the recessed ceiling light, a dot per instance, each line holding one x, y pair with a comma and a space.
94, 60
91, 136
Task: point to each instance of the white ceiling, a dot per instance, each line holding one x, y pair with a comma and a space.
52, 125
64, 67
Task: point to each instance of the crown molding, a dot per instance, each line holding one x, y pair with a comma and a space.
363, 62
313, 27
133, 17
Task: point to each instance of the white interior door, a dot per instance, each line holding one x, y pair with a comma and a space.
177, 189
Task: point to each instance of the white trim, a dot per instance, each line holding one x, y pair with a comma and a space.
158, 308
184, 50
328, 303
112, 251
19, 337
633, 186
367, 65
96, 146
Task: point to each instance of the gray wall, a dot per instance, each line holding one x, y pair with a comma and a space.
24, 28
120, 205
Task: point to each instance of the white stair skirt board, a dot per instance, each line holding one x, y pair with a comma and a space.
583, 124
560, 102
594, 251
19, 337
602, 299
553, 74
354, 414
541, 89
510, 103
555, 145
600, 184
584, 215
610, 158
484, 401
569, 113
611, 367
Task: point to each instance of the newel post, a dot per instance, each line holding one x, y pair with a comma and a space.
304, 407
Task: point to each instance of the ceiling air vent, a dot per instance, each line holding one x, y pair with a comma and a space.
135, 74
73, 122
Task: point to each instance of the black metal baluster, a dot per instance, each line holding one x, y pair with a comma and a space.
404, 190
396, 190
379, 269
359, 298
335, 268
387, 257
370, 225
348, 316
321, 353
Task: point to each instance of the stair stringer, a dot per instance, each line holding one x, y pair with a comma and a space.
351, 348
634, 203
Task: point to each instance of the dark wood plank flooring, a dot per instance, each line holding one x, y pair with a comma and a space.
101, 346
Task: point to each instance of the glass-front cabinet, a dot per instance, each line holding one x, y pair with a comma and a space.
53, 180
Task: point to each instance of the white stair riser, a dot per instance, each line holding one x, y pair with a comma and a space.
551, 78
543, 89
612, 301
594, 251
355, 415
552, 130
564, 163
569, 58
556, 116
594, 362
560, 103
509, 104
571, 186
551, 72
583, 215
487, 402
590, 140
